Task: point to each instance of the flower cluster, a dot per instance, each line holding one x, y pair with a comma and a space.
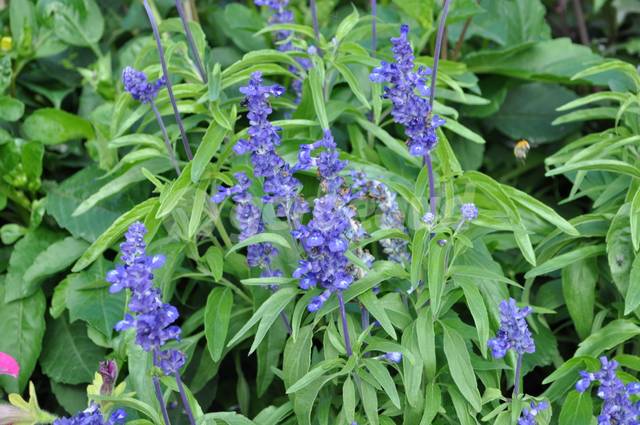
249, 220
280, 187
407, 90
514, 332
617, 407
93, 416
325, 239
469, 211
391, 218
153, 319
282, 15
136, 83
529, 414
393, 356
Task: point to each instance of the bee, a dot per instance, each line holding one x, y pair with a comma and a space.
521, 149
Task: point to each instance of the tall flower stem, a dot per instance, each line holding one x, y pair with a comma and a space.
185, 400
165, 135
192, 44
432, 183
165, 72
436, 53
314, 18
518, 372
374, 32
163, 407
345, 326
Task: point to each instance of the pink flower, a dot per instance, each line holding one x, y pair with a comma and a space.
8, 365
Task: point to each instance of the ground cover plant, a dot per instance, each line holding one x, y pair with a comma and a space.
319, 212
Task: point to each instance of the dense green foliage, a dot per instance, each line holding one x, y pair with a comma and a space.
558, 229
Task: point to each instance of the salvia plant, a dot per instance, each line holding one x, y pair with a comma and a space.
316, 212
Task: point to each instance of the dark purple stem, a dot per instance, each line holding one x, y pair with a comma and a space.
165, 72
286, 322
374, 32
314, 18
516, 385
345, 326
163, 407
364, 317
185, 400
432, 183
436, 53
192, 44
167, 142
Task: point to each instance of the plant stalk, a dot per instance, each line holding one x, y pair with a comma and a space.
314, 18
185, 400
516, 384
165, 72
165, 135
436, 54
192, 44
163, 407
345, 326
432, 183
580, 21
374, 32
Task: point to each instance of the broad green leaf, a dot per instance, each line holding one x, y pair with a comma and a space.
216, 320
349, 399
34, 243
352, 81
22, 328
391, 142
297, 356
634, 220
432, 403
563, 260
273, 238
128, 178
69, 356
369, 402
134, 404
620, 252
88, 298
229, 418
464, 132
318, 370
610, 336
372, 304
427, 341
417, 255
478, 310
576, 409
173, 193
460, 366
54, 126
214, 258
114, 232
611, 165
579, 280
11, 109
57, 257
78, 23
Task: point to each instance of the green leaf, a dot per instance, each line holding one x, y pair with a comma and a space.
318, 371
214, 258
209, 146
88, 298
22, 19
78, 23
62, 200
216, 320
460, 366
478, 310
391, 142
11, 109
634, 221
134, 404
578, 287
69, 356
620, 249
464, 132
349, 399
273, 238
432, 403
608, 337
611, 165
576, 409
57, 257
316, 81
370, 402
229, 418
114, 232
382, 375
34, 243
172, 193
435, 274
22, 328
420, 10
267, 313
374, 307
54, 126
297, 356
563, 260
128, 178
529, 110
632, 300
352, 81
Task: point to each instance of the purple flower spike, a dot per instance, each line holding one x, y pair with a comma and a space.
136, 83
529, 413
408, 92
152, 319
93, 416
108, 370
617, 407
514, 332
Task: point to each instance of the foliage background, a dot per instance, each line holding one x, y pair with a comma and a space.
73, 147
